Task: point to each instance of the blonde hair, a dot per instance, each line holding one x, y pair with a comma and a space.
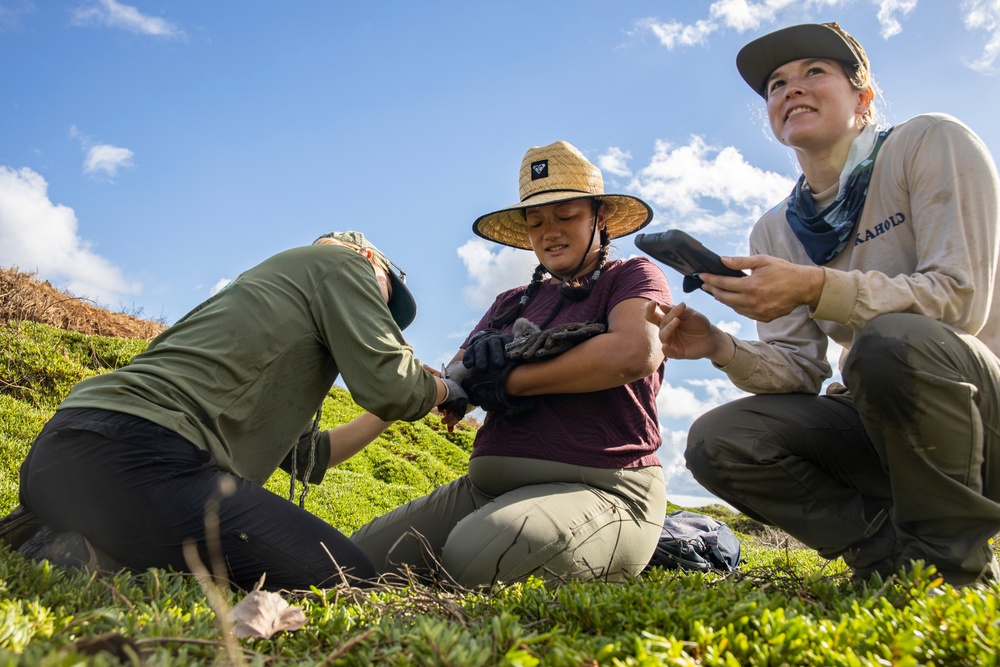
860, 75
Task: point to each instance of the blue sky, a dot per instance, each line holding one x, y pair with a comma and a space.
150, 151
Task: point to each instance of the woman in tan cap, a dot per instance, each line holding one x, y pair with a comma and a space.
135, 460
888, 246
564, 480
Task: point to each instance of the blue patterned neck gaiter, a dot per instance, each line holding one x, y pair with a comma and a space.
824, 235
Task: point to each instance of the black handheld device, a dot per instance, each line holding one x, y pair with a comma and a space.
684, 253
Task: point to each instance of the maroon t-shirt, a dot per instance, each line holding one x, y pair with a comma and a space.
612, 428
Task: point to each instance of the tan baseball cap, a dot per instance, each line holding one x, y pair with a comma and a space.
401, 302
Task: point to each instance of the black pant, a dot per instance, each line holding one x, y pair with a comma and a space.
139, 491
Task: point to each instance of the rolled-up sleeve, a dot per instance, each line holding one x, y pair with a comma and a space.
375, 362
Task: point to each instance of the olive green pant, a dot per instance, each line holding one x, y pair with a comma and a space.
513, 517
905, 467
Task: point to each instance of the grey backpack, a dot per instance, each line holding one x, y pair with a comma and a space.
692, 541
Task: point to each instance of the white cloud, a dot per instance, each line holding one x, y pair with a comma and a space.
112, 14
732, 328
746, 15
677, 402
688, 180
741, 15
106, 160
493, 269
615, 162
887, 15
682, 488
684, 402
738, 15
217, 287
671, 454
38, 235
674, 33
985, 15
102, 160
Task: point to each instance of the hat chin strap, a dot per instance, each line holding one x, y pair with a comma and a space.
594, 276
583, 260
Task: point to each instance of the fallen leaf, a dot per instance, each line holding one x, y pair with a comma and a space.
263, 613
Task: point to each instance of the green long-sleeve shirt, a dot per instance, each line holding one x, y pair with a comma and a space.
242, 375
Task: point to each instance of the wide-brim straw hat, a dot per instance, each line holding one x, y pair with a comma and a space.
557, 173
757, 60
401, 304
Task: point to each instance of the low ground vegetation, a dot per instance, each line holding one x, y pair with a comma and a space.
785, 606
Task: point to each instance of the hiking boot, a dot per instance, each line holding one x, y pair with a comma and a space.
988, 576
991, 573
19, 526
66, 549
877, 552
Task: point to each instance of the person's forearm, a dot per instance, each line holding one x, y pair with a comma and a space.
725, 348
600, 363
442, 391
348, 439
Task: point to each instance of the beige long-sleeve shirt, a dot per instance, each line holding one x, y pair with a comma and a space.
926, 242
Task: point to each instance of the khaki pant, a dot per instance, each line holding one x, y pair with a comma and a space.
905, 467
513, 517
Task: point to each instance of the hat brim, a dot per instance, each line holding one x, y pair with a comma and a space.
757, 60
624, 215
402, 306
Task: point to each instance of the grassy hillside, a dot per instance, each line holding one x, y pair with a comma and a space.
786, 606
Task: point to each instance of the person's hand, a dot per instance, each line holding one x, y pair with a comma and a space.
456, 371
486, 389
774, 288
455, 403
486, 350
551, 342
450, 420
687, 334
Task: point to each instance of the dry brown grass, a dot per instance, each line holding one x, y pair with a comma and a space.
24, 297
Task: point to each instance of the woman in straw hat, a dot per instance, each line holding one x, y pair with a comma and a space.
888, 246
564, 480
141, 460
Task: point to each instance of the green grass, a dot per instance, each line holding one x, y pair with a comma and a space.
785, 607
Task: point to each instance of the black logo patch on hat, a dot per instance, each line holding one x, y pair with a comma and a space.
539, 169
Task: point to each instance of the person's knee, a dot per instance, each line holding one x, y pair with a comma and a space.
479, 557
711, 442
880, 356
568, 535
697, 455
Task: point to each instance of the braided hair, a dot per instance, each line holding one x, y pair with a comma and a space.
574, 289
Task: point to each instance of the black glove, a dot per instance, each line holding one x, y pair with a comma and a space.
485, 389
486, 350
456, 401
551, 342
